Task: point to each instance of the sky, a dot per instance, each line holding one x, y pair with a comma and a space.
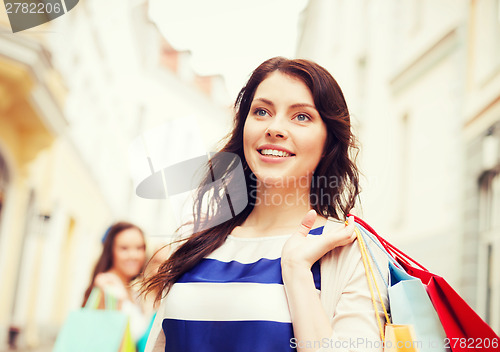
229, 37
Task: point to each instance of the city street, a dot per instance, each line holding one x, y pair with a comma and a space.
115, 119
36, 349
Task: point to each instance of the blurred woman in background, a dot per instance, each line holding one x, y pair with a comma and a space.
121, 262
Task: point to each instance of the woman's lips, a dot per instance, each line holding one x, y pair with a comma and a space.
273, 149
273, 158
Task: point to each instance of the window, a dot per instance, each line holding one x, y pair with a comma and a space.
498, 10
416, 12
4, 180
489, 249
404, 164
486, 46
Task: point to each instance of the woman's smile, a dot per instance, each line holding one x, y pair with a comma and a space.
274, 153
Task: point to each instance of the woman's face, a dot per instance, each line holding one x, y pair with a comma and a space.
129, 252
284, 135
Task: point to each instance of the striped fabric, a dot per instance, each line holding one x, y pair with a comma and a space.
233, 300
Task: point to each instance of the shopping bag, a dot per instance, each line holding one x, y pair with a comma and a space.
96, 330
465, 330
396, 338
410, 303
399, 338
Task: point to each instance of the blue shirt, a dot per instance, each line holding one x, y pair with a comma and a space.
233, 300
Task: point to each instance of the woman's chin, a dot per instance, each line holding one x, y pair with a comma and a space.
282, 180
270, 180
131, 273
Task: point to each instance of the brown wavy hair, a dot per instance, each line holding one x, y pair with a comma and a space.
337, 164
105, 261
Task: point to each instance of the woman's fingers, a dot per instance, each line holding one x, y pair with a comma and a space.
106, 279
307, 223
304, 250
341, 237
111, 284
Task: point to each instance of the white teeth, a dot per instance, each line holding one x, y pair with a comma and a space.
274, 152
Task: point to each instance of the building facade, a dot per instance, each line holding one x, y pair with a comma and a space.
74, 94
421, 79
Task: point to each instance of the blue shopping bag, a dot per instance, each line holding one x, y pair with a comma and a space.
410, 304
95, 330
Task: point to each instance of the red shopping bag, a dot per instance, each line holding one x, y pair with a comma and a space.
466, 331
464, 328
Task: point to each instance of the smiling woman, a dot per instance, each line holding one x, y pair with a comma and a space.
254, 282
122, 260
284, 135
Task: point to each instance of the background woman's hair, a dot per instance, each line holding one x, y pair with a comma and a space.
334, 187
105, 261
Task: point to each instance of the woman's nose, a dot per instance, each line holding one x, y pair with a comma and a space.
277, 129
136, 254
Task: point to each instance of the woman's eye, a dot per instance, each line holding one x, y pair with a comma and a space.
260, 112
302, 117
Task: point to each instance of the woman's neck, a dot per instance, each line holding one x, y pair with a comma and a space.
280, 208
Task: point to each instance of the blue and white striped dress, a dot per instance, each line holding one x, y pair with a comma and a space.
233, 300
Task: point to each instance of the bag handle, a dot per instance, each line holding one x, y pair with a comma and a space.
369, 272
110, 302
371, 253
382, 248
94, 299
396, 253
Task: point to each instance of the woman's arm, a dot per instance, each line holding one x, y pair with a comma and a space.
349, 302
310, 323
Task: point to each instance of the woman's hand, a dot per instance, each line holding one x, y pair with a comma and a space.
301, 251
111, 284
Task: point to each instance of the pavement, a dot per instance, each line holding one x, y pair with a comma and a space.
33, 349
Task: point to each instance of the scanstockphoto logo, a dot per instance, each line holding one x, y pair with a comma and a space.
25, 14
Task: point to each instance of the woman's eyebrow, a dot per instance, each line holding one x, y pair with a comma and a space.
294, 106
265, 101
302, 105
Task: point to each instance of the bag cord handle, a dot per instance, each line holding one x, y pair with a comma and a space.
395, 252
369, 270
110, 301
